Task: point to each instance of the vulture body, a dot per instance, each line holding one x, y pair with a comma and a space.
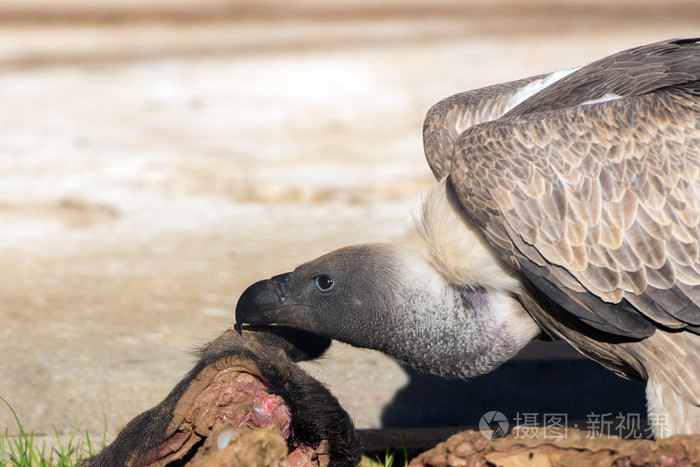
568, 205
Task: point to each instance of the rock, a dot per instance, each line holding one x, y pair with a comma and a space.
576, 448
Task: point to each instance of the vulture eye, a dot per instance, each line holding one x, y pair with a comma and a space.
324, 283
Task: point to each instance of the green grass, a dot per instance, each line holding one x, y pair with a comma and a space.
24, 451
388, 460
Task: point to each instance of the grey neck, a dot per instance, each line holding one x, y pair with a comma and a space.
459, 335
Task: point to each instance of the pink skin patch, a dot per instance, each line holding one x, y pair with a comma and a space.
265, 409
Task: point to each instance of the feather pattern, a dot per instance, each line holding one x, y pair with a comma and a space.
594, 180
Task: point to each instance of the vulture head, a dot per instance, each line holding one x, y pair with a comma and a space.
568, 205
439, 314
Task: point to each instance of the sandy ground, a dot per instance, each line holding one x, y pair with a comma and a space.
155, 161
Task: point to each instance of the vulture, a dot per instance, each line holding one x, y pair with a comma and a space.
567, 206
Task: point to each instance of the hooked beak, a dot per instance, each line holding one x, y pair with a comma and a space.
267, 302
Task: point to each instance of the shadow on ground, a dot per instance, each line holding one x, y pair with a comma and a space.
579, 388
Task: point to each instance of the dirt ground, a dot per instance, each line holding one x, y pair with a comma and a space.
156, 160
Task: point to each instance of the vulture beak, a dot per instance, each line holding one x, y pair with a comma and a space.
267, 303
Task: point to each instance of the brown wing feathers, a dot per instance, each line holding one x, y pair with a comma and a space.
598, 204
444, 122
631, 72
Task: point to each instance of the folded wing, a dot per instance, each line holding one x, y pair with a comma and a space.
591, 185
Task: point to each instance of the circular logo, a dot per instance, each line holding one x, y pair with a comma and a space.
493, 425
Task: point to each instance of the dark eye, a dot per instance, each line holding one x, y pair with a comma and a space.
324, 283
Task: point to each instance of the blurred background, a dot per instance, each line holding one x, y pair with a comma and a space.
157, 157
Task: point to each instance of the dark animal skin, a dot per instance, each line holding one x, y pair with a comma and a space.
317, 419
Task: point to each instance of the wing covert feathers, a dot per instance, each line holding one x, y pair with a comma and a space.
600, 200
450, 117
